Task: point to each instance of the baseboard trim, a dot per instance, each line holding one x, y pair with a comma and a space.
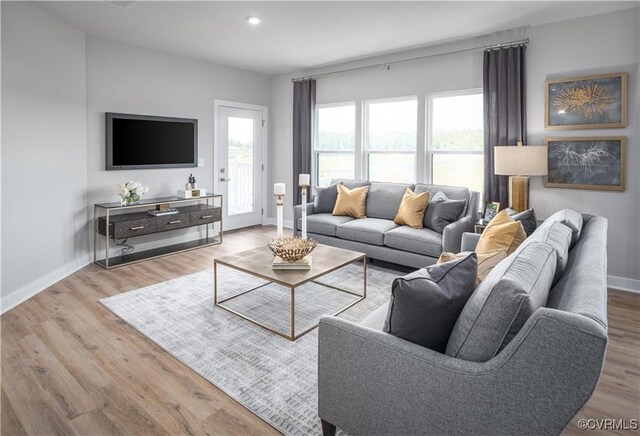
623, 284
287, 224
35, 287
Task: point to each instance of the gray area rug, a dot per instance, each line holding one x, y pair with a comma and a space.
273, 377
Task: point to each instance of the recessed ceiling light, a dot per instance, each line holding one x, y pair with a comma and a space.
254, 20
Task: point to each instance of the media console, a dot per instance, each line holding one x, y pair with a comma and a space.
113, 222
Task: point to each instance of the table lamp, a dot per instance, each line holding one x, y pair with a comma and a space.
519, 163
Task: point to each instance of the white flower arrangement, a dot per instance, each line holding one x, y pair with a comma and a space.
130, 192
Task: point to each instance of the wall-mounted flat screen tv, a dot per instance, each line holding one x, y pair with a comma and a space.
143, 141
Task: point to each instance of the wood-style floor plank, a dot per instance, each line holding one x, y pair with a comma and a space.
69, 366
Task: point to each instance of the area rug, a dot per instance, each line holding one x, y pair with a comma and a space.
273, 377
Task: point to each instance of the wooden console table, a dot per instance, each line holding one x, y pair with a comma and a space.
114, 221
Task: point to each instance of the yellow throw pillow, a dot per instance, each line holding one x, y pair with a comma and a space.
412, 208
502, 232
351, 202
486, 261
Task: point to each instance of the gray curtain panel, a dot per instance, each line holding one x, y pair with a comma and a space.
304, 101
505, 120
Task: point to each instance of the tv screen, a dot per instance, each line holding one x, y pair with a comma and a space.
141, 141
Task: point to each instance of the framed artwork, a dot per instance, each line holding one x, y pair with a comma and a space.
490, 210
586, 163
596, 102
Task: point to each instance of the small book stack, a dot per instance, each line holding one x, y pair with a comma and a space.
301, 265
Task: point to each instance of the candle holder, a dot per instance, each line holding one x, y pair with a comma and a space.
279, 217
304, 188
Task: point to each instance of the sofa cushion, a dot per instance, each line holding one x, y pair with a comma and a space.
441, 213
411, 210
425, 304
324, 198
324, 223
503, 302
349, 183
421, 241
558, 236
377, 318
452, 192
384, 199
571, 219
351, 202
367, 230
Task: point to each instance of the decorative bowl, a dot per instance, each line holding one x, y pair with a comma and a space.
292, 248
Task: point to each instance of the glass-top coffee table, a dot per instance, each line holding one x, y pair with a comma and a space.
257, 262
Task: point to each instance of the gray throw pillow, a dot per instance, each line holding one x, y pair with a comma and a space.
527, 218
425, 304
441, 213
324, 198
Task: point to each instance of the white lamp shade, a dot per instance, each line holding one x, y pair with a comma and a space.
529, 160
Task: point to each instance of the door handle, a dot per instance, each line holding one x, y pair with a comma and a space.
224, 179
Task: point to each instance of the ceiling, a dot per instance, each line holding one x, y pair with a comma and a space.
300, 35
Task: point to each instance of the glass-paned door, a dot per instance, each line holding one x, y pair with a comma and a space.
240, 166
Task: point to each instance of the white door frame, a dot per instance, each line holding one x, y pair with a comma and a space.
217, 104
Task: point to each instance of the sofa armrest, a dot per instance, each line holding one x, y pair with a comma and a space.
469, 241
297, 214
370, 382
452, 234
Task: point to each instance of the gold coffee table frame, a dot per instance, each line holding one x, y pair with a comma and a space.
257, 262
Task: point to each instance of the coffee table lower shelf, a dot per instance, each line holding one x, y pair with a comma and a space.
291, 335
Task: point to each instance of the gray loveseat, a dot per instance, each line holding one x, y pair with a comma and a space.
371, 382
379, 237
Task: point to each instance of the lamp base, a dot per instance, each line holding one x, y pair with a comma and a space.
519, 193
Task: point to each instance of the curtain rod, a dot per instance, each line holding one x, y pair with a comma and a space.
387, 65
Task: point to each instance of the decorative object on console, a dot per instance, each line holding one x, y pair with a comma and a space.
412, 209
278, 192
501, 232
351, 202
491, 208
304, 182
595, 102
293, 250
130, 192
425, 304
586, 163
519, 163
192, 193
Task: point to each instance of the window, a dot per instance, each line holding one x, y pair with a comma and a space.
390, 140
456, 139
335, 143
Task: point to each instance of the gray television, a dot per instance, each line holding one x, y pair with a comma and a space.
147, 142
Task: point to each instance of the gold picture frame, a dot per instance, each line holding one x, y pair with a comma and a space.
574, 161
590, 102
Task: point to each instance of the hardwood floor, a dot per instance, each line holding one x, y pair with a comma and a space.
69, 366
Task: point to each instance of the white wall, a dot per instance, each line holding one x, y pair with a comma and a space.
606, 43
44, 155
128, 79
594, 45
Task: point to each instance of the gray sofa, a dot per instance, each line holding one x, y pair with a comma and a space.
379, 237
371, 382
